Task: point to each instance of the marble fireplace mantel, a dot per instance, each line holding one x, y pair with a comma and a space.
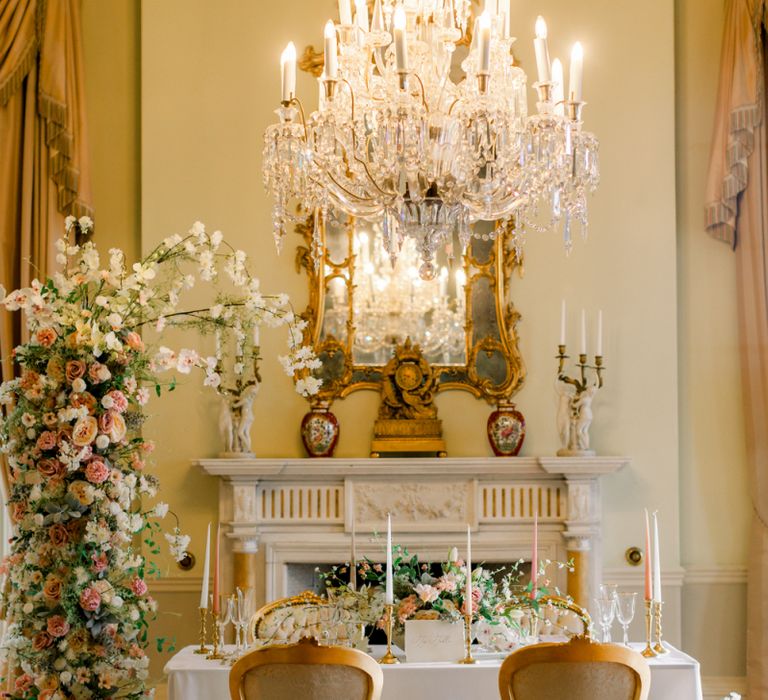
302, 511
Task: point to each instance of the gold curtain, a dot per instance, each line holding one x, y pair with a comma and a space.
737, 213
43, 144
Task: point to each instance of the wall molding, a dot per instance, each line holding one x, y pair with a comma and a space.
175, 584
718, 687
624, 576
722, 574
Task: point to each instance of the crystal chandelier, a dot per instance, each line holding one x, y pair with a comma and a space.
398, 140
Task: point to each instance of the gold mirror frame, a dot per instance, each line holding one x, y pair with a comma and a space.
349, 377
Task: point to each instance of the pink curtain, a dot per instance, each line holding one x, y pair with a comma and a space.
737, 213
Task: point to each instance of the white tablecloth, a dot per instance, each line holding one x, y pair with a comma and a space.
674, 676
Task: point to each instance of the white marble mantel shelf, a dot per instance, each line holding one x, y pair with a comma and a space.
257, 469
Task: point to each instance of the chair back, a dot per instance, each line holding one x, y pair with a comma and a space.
305, 671
287, 620
577, 670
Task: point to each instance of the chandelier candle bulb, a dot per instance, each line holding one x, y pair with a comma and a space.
504, 14
542, 51
377, 20
331, 60
345, 13
401, 45
656, 561
388, 594
648, 590
558, 91
583, 344
288, 67
206, 566
577, 73
490, 7
361, 14
484, 44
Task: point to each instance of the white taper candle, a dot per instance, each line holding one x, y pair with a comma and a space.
206, 567
388, 592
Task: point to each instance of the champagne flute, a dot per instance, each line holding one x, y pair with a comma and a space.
226, 612
606, 609
243, 611
625, 612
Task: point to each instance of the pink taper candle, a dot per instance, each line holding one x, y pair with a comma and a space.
648, 593
535, 554
468, 588
216, 572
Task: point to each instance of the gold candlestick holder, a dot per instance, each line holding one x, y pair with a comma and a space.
203, 649
648, 652
216, 653
659, 647
468, 659
389, 657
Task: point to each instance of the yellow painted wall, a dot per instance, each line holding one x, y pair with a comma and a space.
209, 82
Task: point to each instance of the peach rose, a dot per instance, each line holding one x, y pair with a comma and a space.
42, 641
46, 441
57, 626
52, 588
29, 379
113, 424
96, 472
46, 337
50, 468
19, 511
58, 535
75, 369
50, 419
85, 431
134, 341
23, 683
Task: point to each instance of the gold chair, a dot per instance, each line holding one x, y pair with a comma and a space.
287, 620
307, 671
576, 670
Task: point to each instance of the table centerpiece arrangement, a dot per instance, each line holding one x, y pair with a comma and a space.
77, 600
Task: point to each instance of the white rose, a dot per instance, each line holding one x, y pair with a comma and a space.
117, 602
39, 519
78, 386
28, 608
102, 442
107, 401
66, 677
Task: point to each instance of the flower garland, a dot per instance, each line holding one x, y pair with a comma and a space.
77, 597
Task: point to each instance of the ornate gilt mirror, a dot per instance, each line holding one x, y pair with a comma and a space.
361, 307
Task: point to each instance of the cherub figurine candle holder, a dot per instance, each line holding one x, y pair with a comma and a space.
574, 413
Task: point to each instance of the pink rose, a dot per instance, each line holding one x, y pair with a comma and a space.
119, 402
46, 337
23, 682
97, 472
134, 341
90, 599
139, 586
85, 431
46, 441
57, 626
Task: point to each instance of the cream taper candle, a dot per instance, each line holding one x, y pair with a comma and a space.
542, 51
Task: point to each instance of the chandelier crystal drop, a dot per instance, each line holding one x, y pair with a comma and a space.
402, 140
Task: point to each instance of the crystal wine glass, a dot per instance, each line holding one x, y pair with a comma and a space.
606, 609
625, 612
226, 612
243, 609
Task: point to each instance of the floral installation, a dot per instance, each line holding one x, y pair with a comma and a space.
77, 596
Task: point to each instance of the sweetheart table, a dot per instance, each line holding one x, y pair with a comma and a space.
675, 676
